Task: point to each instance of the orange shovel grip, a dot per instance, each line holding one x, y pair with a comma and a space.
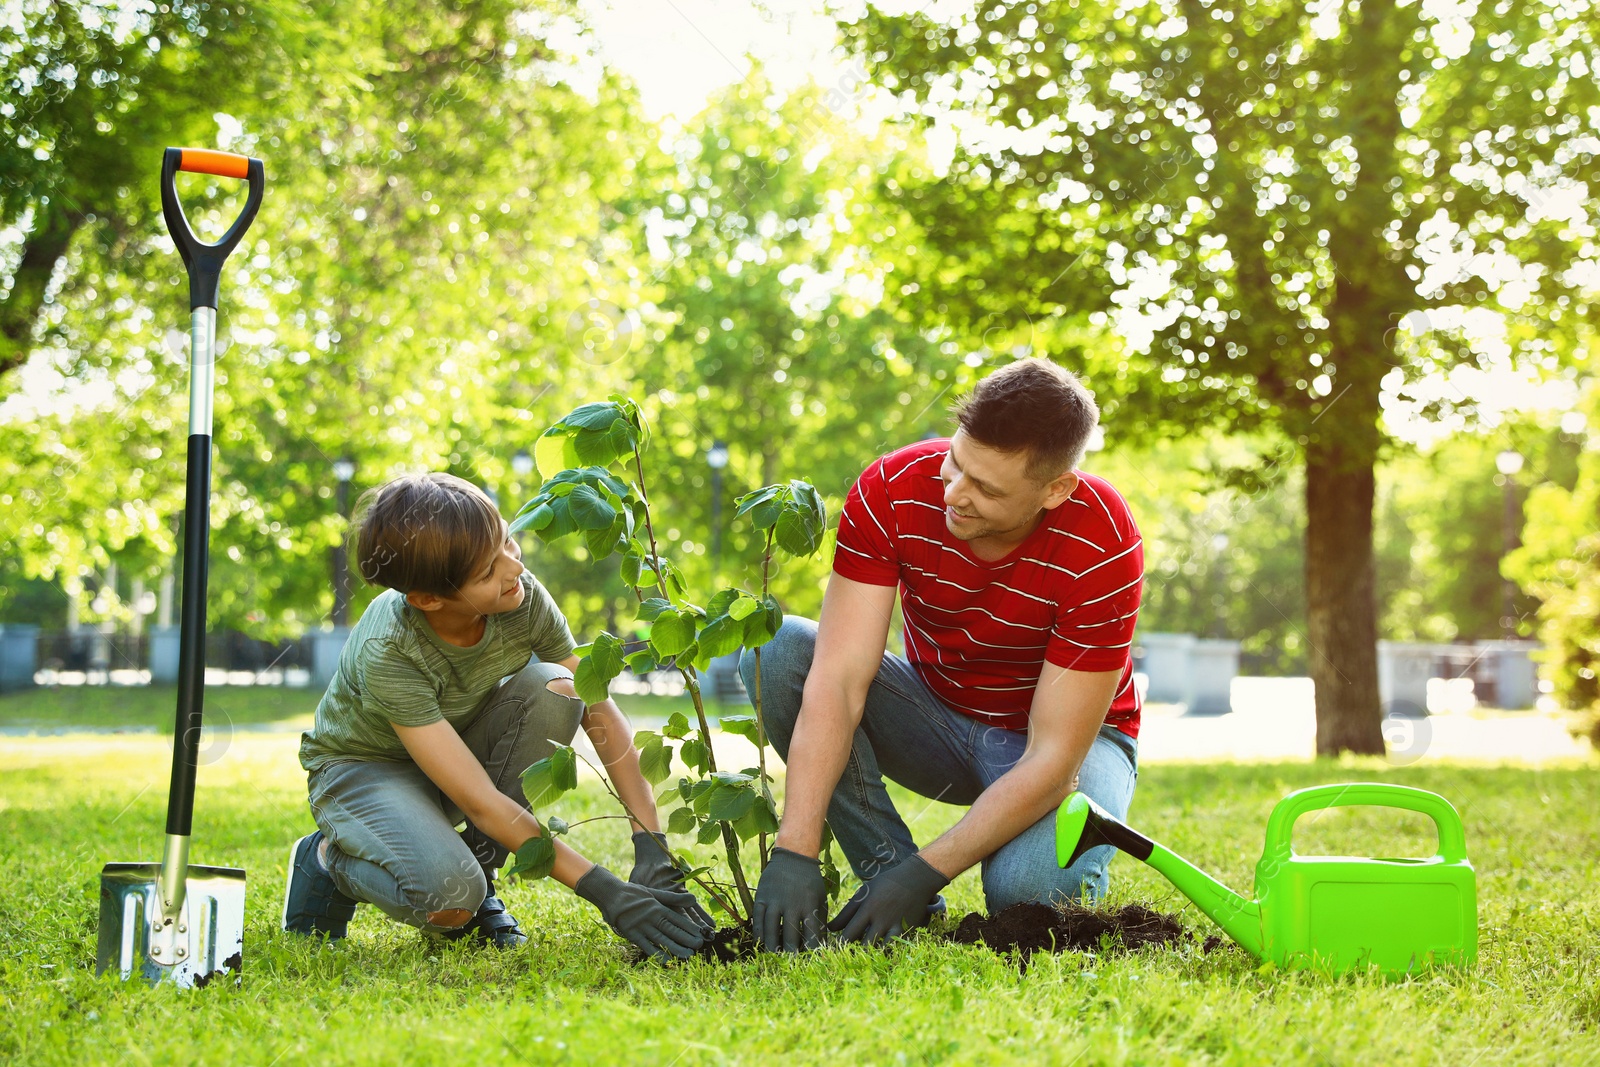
207, 161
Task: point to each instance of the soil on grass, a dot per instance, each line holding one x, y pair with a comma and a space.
1031, 928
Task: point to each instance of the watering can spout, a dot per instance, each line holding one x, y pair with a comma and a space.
1081, 824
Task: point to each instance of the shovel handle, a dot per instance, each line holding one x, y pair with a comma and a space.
205, 260
1280, 825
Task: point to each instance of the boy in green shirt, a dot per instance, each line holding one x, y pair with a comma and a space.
421, 728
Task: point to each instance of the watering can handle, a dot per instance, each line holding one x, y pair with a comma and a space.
1280, 825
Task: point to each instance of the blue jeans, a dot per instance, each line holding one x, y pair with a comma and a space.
912, 737
391, 833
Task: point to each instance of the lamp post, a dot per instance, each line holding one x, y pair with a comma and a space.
717, 460
1508, 463
344, 469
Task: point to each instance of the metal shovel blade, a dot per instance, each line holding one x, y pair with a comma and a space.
210, 930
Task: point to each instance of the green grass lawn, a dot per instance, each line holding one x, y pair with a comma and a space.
385, 996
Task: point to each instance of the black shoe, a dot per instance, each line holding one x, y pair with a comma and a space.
312, 903
492, 925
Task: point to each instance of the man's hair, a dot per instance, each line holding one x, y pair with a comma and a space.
1036, 407
426, 533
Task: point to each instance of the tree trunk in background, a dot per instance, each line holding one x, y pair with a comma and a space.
1370, 293
19, 312
1341, 600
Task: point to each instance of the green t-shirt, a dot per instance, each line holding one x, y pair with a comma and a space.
395, 669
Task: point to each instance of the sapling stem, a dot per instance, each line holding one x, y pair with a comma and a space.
761, 723
691, 679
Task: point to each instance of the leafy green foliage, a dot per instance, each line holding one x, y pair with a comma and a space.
535, 859
601, 661
720, 804
593, 435
546, 780
794, 512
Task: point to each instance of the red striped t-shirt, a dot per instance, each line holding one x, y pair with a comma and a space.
978, 632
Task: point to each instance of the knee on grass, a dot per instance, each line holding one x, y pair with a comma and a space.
450, 899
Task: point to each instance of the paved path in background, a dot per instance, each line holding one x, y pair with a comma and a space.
1274, 721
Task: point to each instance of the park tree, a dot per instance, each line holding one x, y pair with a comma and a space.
1287, 214
441, 201
93, 92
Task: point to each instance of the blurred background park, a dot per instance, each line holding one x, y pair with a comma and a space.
1331, 272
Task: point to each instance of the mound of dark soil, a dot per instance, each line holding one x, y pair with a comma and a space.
1031, 928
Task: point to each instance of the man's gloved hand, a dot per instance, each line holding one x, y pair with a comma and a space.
789, 904
653, 868
652, 919
890, 903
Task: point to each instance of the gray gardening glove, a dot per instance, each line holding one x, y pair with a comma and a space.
790, 899
890, 903
652, 919
653, 868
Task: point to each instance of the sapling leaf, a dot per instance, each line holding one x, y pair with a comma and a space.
535, 859
556, 825
730, 803
718, 638
602, 663
590, 509
677, 726
642, 662
743, 725
681, 821
655, 760
651, 608
754, 498
671, 633
762, 626
597, 415
546, 780
695, 755
743, 606
553, 453
708, 833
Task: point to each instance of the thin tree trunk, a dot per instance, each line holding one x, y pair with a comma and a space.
19, 312
1341, 601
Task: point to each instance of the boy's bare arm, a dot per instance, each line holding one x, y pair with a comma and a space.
451, 766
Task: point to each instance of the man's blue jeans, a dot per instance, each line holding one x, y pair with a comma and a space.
910, 736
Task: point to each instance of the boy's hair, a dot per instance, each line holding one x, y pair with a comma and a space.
1036, 407
426, 533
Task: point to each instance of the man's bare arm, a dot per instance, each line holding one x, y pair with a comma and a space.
1068, 710
852, 633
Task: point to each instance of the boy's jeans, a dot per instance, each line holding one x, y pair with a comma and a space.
909, 735
391, 832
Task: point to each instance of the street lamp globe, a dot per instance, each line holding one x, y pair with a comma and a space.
344, 469
522, 463
1508, 462
717, 455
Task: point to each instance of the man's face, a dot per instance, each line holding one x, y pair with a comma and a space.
495, 586
988, 493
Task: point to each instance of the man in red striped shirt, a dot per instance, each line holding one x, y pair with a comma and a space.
1019, 579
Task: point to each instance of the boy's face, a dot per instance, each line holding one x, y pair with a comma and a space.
495, 586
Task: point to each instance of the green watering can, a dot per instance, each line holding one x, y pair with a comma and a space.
1334, 913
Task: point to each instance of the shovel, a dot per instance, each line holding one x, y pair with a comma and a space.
175, 921
1331, 913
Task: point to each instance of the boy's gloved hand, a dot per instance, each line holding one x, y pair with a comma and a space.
653, 868
652, 919
890, 903
790, 899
